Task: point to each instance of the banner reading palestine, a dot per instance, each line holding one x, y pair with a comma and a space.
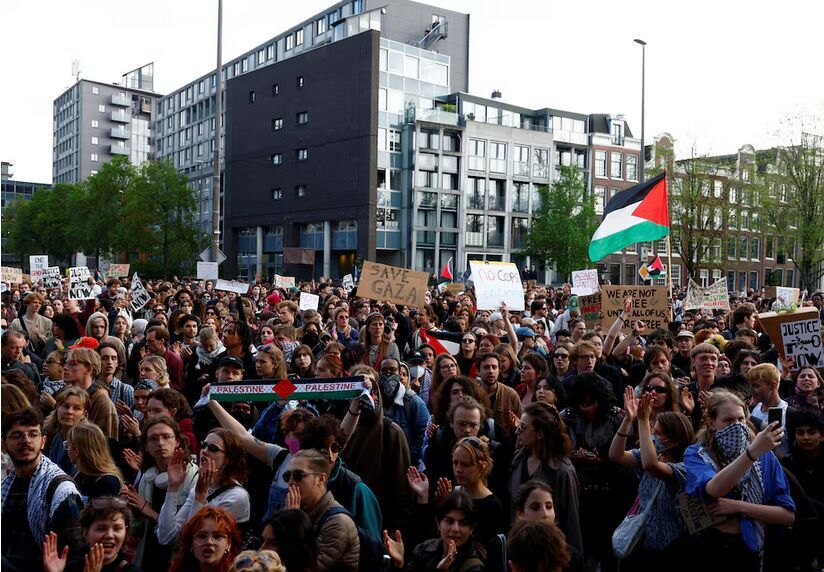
287, 389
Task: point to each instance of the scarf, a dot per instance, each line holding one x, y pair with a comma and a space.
206, 358
38, 513
812, 400
731, 442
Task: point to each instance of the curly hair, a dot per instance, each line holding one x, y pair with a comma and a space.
478, 450
185, 558
322, 433
173, 399
441, 399
591, 385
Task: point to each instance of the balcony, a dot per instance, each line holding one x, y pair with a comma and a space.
120, 117
437, 116
121, 100
119, 133
118, 150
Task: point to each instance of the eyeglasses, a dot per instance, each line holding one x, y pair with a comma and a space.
560, 356
203, 537
211, 447
161, 437
467, 341
655, 388
103, 503
296, 475
33, 435
449, 365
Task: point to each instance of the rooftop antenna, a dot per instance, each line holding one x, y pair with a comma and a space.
76, 70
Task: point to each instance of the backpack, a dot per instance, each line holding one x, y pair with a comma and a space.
372, 553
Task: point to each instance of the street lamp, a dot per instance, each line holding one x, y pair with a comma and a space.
643, 73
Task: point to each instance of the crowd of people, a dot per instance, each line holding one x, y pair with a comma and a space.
484, 439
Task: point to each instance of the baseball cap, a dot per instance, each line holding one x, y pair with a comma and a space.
685, 334
273, 298
416, 357
523, 332
230, 361
85, 342
573, 304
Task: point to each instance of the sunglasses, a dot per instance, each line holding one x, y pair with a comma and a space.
296, 475
560, 356
474, 441
655, 388
249, 561
468, 341
211, 447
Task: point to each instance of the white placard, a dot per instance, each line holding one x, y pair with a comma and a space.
12, 275
231, 286
784, 295
585, 282
39, 262
496, 283
284, 282
51, 277
79, 287
802, 342
206, 270
138, 293
348, 283
715, 297
309, 301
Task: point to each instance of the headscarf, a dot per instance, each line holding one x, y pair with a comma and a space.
138, 327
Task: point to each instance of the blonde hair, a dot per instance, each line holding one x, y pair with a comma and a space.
765, 373
13, 399
93, 455
478, 449
51, 425
706, 436
207, 333
159, 365
261, 561
276, 355
87, 357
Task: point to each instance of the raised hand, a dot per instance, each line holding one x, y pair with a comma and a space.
768, 439
122, 408
130, 425
630, 403
93, 561
443, 488
176, 470
134, 498
132, 459
52, 561
419, 484
514, 420
207, 478
394, 548
449, 558
687, 400
628, 305
644, 408
430, 429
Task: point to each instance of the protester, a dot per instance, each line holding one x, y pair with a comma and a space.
97, 474
290, 533
209, 541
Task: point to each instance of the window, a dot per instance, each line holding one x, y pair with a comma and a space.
94, 157
275, 89
718, 189
632, 167
540, 163
277, 124
277, 194
299, 37
475, 193
411, 67
705, 277
617, 134
101, 108
261, 57
520, 197
731, 247
769, 243
252, 96
497, 195
300, 191
617, 170
95, 90
290, 42
95, 141
497, 157
320, 26
600, 199
790, 278
755, 248
276, 158
477, 154
270, 52
601, 164
302, 118
300, 81
520, 161
394, 140
743, 246
95, 123
474, 230
302, 154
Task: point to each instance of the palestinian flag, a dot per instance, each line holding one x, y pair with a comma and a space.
286, 389
442, 342
637, 214
446, 271
656, 268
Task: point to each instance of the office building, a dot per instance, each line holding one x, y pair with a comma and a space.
95, 122
11, 191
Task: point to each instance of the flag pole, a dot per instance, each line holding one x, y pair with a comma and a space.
669, 258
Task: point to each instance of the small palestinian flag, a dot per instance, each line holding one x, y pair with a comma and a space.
637, 214
441, 342
446, 271
656, 267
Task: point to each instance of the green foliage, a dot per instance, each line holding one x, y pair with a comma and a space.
564, 224
143, 216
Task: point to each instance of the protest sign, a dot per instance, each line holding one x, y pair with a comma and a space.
455, 287
206, 270
393, 284
590, 309
231, 286
497, 283
348, 283
138, 293
696, 513
285, 389
79, 287
51, 277
39, 262
649, 305
284, 282
585, 282
309, 301
714, 297
796, 335
12, 275
118, 270
784, 296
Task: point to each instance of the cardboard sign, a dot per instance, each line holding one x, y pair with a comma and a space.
715, 297
79, 287
139, 295
118, 270
497, 283
393, 284
231, 286
294, 255
12, 275
591, 309
206, 270
696, 514
348, 283
783, 295
649, 305
51, 277
284, 282
309, 301
796, 335
585, 282
455, 287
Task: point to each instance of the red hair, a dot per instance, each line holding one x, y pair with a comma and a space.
185, 558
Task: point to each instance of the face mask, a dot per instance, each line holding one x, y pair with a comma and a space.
389, 385
660, 447
293, 444
416, 371
732, 440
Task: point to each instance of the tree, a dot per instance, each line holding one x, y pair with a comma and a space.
105, 195
793, 201
563, 225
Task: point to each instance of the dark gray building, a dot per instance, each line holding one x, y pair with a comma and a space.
11, 191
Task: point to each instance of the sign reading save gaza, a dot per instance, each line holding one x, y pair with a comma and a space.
393, 284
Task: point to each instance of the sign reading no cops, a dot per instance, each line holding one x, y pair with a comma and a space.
496, 283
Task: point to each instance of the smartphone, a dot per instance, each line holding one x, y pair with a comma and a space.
774, 414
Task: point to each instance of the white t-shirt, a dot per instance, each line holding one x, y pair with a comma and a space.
758, 413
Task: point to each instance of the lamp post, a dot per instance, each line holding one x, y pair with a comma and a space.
218, 127
643, 161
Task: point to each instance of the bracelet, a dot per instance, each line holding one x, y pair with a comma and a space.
353, 414
144, 505
747, 450
624, 435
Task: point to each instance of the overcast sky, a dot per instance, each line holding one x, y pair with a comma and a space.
719, 73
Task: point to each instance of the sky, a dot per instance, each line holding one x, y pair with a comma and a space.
719, 74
